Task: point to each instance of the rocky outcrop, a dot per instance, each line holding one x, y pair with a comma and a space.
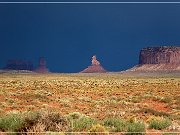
95, 67
164, 58
18, 65
42, 66
160, 55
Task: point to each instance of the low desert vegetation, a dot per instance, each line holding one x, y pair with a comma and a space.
88, 102
48, 121
98, 130
119, 125
11, 122
159, 124
136, 128
115, 125
40, 121
80, 122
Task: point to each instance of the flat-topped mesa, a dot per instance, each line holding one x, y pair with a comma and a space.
95, 67
163, 58
42, 66
160, 55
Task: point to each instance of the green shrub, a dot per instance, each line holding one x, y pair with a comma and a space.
117, 125
159, 124
75, 115
11, 122
82, 123
98, 130
34, 121
136, 99
137, 127
166, 99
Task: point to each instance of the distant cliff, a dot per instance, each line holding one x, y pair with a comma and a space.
160, 55
18, 65
26, 65
164, 58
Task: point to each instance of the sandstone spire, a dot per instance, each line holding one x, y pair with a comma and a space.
42, 66
95, 62
95, 67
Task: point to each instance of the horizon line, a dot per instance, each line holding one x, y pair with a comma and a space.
88, 2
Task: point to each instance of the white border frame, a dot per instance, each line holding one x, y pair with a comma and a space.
28, 2
88, 2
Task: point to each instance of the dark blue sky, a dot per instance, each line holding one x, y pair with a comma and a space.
69, 34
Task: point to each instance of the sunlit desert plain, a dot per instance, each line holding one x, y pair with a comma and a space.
108, 103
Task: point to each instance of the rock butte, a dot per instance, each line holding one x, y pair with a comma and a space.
18, 65
164, 58
95, 67
42, 66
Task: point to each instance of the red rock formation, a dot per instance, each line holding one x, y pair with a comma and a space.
160, 55
42, 66
164, 58
19, 65
95, 67
94, 61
